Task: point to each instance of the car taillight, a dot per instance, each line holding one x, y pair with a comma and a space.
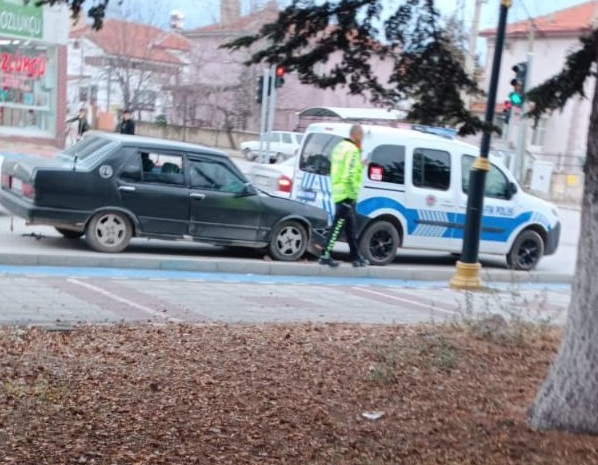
6, 181
27, 190
285, 184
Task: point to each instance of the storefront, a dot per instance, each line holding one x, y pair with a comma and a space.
33, 72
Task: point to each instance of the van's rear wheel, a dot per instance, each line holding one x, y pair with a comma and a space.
526, 252
379, 243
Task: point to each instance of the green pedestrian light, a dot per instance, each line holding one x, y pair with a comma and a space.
515, 99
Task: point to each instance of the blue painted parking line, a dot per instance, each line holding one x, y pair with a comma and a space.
134, 273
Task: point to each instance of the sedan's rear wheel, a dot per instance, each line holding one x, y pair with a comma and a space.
109, 232
288, 241
70, 233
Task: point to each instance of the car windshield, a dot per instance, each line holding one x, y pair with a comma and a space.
88, 151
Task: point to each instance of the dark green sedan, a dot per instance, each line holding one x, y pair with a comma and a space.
111, 187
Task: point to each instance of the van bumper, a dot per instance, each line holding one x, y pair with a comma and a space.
552, 240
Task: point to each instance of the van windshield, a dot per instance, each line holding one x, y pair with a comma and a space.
315, 156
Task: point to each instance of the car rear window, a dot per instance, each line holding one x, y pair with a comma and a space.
88, 151
315, 156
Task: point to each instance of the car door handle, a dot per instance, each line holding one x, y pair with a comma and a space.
197, 196
126, 188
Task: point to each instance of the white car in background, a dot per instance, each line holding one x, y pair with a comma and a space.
283, 145
275, 179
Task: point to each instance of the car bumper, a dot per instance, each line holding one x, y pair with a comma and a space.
552, 240
33, 214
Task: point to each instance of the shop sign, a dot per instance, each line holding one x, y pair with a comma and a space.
17, 19
15, 63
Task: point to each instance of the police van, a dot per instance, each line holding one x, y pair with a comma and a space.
414, 195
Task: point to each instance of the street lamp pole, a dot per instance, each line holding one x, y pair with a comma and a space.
467, 275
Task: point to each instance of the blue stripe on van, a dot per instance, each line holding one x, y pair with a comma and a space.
494, 228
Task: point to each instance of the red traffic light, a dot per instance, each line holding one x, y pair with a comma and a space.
279, 71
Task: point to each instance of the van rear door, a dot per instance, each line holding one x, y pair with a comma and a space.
312, 178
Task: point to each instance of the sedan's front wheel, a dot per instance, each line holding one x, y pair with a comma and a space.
109, 232
288, 241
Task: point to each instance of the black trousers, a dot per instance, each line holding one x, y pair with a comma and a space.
344, 219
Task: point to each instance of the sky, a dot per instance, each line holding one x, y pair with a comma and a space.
203, 12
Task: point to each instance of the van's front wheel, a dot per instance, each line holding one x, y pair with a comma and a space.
526, 252
379, 243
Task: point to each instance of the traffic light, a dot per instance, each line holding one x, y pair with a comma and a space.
279, 77
518, 83
506, 111
259, 90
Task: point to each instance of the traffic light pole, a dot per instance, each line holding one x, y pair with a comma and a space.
271, 109
519, 171
263, 112
467, 274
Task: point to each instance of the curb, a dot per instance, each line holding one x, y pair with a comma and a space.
270, 268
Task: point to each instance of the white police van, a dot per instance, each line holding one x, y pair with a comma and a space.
414, 195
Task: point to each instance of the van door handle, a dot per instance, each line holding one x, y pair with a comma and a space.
197, 196
126, 188
447, 204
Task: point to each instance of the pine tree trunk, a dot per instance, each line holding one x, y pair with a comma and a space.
568, 399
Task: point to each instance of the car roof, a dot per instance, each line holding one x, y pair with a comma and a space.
143, 141
387, 131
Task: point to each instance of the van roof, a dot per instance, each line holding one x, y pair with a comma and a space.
387, 131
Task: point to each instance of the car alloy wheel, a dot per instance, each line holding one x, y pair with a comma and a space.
288, 242
109, 232
249, 155
526, 252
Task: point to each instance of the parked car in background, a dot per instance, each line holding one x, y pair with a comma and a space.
111, 188
276, 179
283, 145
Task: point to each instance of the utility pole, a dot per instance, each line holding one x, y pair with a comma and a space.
264, 111
523, 122
473, 38
467, 275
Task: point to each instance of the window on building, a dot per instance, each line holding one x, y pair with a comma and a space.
387, 164
431, 169
28, 74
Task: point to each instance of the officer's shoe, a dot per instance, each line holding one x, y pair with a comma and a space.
328, 261
360, 263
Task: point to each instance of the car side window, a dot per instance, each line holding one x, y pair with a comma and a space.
496, 182
387, 164
286, 138
162, 168
274, 137
215, 176
315, 156
431, 169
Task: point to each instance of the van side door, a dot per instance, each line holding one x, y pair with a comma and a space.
431, 199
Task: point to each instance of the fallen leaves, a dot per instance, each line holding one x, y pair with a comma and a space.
272, 394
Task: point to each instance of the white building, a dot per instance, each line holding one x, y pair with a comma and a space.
124, 65
559, 138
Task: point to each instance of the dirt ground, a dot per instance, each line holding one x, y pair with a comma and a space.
300, 394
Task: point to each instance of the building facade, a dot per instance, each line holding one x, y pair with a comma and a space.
33, 72
124, 65
226, 88
561, 137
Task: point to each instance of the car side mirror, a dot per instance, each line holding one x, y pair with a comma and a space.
511, 190
248, 190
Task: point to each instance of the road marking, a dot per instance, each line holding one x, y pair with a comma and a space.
143, 308
429, 306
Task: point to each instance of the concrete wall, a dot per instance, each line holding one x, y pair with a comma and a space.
203, 136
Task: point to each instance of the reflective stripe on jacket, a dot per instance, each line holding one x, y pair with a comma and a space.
346, 171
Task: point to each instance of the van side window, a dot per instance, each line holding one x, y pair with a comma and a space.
431, 169
315, 157
387, 164
496, 182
